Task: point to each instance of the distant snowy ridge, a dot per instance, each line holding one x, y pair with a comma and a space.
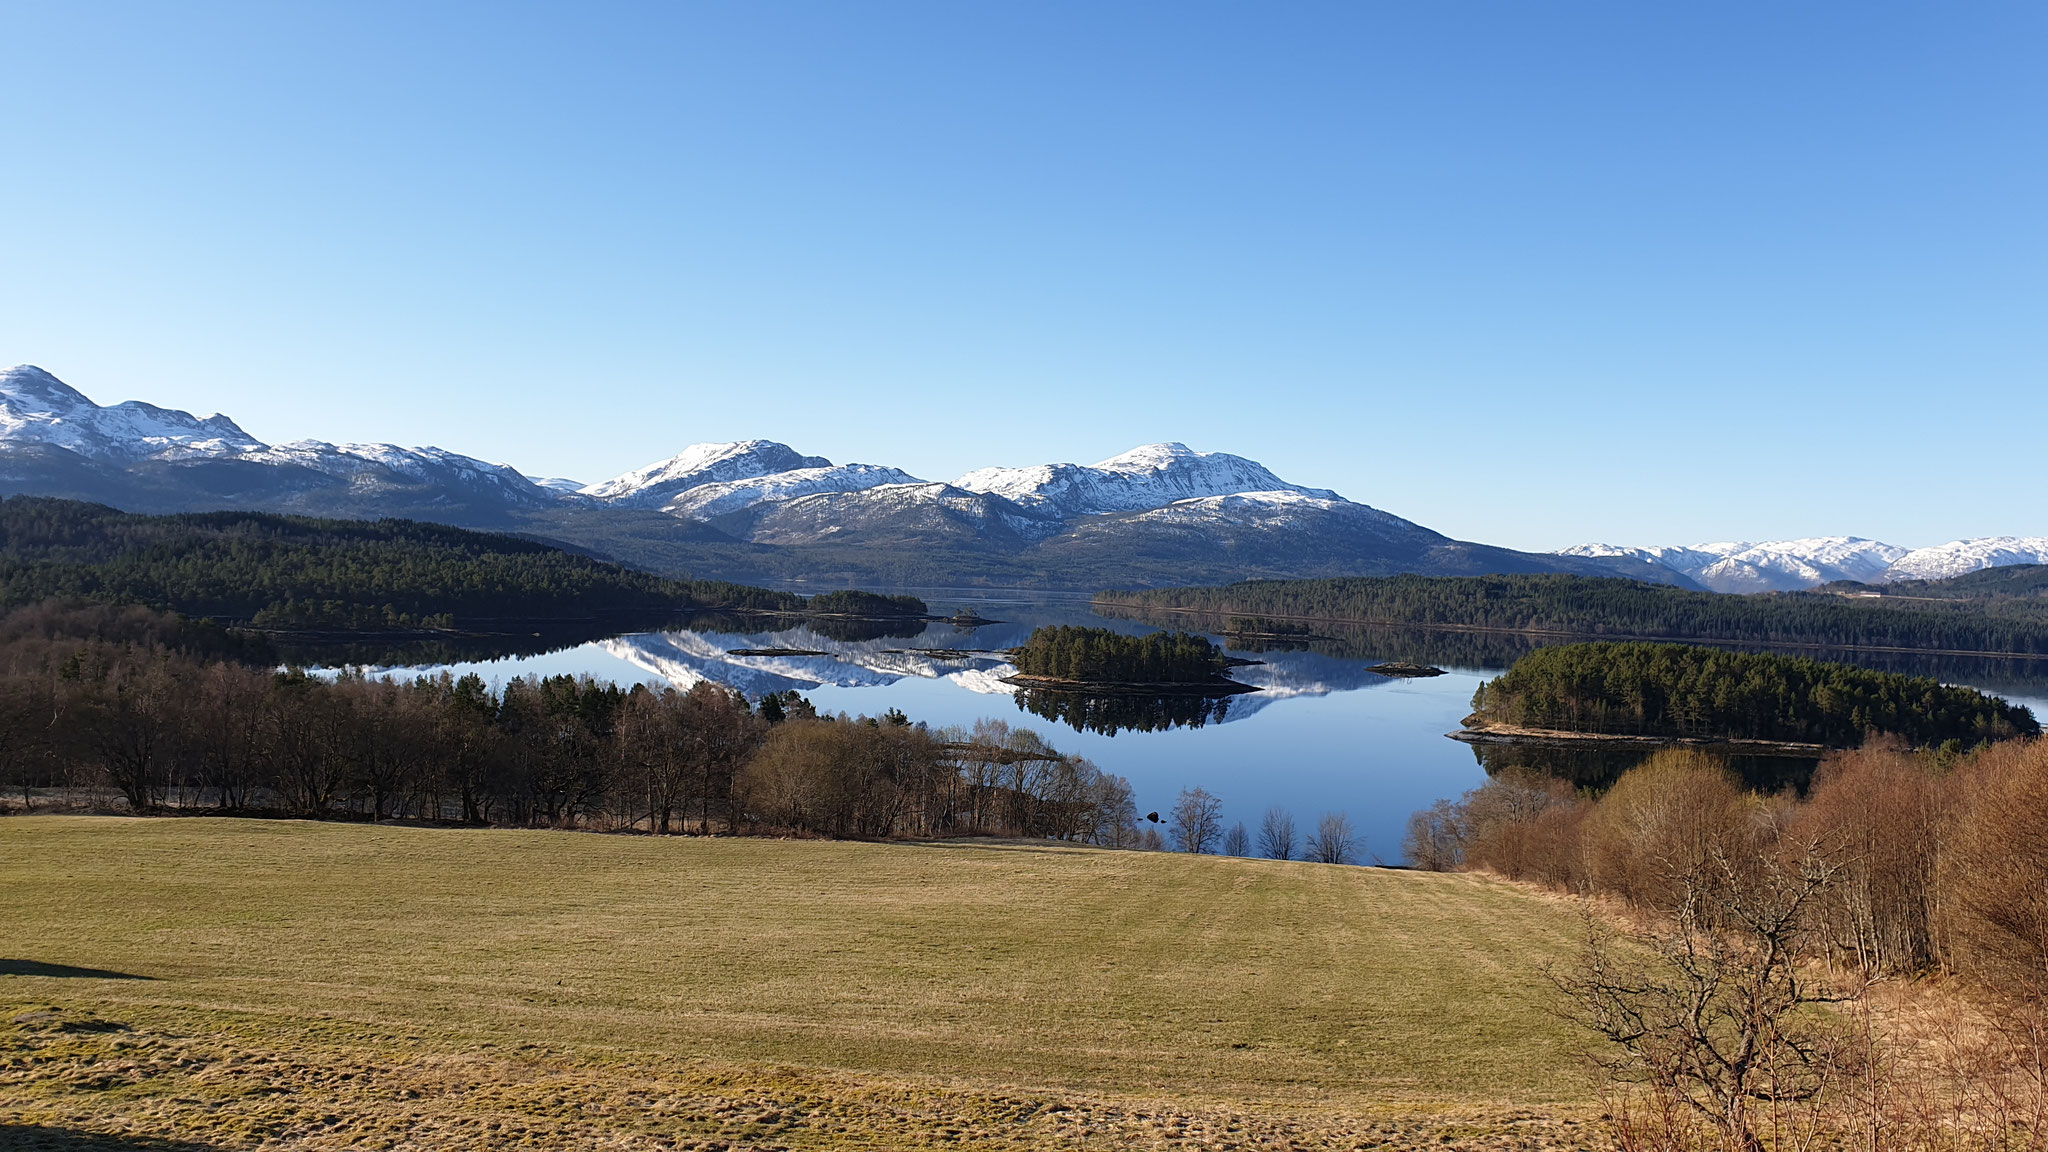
1788, 565
1959, 557
36, 408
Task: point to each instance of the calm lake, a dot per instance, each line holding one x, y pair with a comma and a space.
1322, 734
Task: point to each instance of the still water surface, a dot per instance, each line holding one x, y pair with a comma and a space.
1321, 735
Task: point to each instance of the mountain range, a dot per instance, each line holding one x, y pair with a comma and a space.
760, 511
1788, 565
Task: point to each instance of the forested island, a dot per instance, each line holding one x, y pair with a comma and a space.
1097, 658
869, 604
1980, 614
1684, 691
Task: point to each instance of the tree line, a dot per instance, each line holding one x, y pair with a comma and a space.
1686, 690
1596, 606
1103, 655
99, 700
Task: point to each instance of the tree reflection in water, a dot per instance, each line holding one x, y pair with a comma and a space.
1599, 768
1109, 714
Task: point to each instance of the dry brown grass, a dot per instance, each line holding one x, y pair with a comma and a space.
335, 986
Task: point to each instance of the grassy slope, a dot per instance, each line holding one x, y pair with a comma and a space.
829, 974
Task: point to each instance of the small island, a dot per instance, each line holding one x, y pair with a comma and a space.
1758, 703
866, 605
1405, 670
1099, 660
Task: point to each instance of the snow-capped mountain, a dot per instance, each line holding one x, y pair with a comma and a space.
55, 441
758, 510
1789, 565
1151, 476
718, 498
664, 480
1963, 556
38, 408
1773, 566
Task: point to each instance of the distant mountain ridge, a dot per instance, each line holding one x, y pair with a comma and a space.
760, 511
1791, 565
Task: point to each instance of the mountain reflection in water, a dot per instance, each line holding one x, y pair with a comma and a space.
1322, 734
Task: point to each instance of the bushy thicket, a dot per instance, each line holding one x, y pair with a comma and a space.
102, 704
1101, 655
1687, 690
1937, 863
1593, 606
296, 572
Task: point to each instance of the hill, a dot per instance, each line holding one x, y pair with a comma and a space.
333, 985
295, 572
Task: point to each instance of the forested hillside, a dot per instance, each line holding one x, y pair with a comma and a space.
292, 572
1610, 607
1686, 690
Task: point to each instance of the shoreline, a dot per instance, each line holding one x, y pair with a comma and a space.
1510, 735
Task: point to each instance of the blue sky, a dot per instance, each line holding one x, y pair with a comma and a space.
1531, 274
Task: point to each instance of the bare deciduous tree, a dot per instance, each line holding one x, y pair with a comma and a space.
1714, 1022
1237, 841
1276, 834
1197, 821
1333, 841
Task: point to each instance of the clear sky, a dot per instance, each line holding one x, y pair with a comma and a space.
1528, 273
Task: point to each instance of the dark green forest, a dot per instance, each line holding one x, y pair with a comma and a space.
298, 573
1101, 656
1590, 606
1686, 690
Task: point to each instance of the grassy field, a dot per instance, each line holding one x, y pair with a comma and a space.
346, 986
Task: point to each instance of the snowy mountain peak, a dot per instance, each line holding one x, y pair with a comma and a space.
38, 408
720, 497
1146, 477
659, 482
29, 385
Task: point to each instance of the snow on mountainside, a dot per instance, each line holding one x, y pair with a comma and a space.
39, 411
1161, 512
1787, 565
663, 480
1149, 477
1959, 557
916, 513
716, 499
36, 407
